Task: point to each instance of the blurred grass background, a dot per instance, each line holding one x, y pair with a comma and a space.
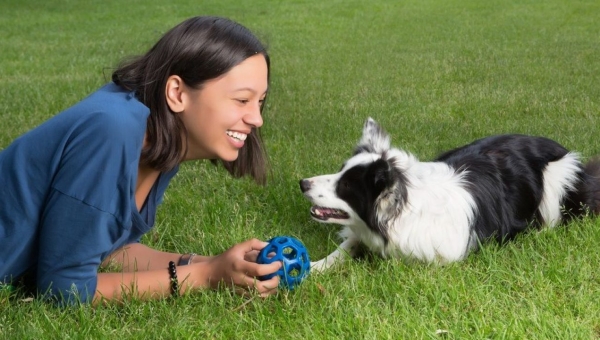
436, 74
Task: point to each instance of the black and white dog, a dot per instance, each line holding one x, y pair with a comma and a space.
439, 211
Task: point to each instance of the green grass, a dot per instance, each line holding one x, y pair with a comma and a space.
436, 74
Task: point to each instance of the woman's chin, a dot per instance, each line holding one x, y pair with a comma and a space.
230, 156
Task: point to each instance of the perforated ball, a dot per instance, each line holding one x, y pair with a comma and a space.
294, 256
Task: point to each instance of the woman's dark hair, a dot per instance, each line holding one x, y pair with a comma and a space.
197, 50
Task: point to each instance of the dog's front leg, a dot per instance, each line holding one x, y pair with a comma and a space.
345, 249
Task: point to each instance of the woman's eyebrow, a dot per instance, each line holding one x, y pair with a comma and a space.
249, 89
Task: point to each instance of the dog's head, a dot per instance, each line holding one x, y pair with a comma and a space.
368, 191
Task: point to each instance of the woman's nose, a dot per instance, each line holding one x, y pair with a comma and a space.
254, 117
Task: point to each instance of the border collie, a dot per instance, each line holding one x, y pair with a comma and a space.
439, 211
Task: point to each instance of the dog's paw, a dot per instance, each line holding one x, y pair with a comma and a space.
319, 266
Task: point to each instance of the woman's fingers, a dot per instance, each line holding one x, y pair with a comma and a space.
264, 288
253, 244
251, 256
238, 266
250, 249
255, 269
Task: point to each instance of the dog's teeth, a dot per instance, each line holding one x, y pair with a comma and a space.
317, 212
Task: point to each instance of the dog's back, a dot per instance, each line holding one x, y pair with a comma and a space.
519, 181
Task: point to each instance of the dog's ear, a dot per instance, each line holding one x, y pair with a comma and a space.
380, 173
374, 139
390, 187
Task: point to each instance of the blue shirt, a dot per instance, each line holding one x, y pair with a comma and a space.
68, 193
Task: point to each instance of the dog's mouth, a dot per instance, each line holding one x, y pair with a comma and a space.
323, 213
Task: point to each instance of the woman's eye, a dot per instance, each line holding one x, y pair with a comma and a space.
242, 101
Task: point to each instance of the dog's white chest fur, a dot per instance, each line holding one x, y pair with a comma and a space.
434, 225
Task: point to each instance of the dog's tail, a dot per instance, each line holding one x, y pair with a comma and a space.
590, 186
585, 197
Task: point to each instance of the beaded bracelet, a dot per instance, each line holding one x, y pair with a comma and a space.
174, 282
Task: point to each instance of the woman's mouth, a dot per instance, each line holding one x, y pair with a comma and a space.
237, 135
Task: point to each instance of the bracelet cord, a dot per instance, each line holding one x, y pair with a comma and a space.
174, 283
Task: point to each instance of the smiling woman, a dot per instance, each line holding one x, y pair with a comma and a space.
220, 116
83, 188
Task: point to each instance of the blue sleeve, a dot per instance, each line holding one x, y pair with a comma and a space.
88, 209
73, 238
68, 193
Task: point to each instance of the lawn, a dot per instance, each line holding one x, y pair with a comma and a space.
436, 74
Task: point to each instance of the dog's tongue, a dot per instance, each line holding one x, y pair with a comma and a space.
323, 213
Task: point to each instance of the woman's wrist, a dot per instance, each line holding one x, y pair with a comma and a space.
197, 276
200, 258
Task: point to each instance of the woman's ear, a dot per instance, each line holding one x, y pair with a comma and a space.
173, 93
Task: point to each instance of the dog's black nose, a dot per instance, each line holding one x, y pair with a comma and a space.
304, 185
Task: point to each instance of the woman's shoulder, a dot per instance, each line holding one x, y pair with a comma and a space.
113, 105
109, 119
111, 113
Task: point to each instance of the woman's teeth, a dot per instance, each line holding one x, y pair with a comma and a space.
237, 135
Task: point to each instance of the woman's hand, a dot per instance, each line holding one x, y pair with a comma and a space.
144, 272
237, 267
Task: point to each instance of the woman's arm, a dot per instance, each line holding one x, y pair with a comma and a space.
235, 268
139, 257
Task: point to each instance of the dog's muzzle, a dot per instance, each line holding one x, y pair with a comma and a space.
305, 185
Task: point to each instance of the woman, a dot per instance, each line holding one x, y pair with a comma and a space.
82, 188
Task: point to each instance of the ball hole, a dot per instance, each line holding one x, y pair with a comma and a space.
289, 253
294, 271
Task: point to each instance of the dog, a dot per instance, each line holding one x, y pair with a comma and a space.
396, 206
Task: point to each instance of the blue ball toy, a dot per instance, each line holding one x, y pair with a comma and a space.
294, 256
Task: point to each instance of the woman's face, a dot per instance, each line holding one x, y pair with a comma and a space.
220, 115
